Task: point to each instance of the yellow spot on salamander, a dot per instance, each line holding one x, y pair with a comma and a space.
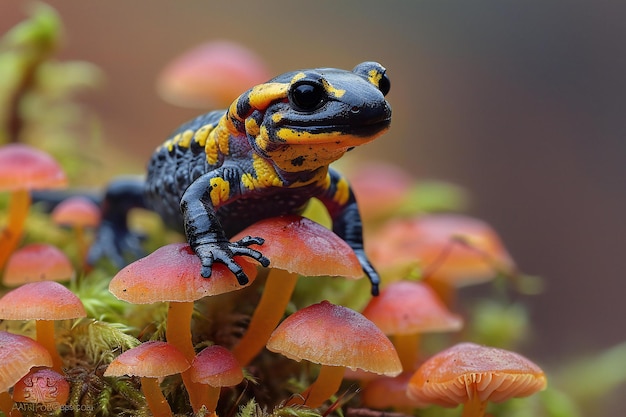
220, 191
277, 117
202, 134
263, 94
297, 77
252, 127
374, 77
264, 175
342, 193
332, 90
185, 138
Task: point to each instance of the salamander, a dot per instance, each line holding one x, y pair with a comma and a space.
267, 155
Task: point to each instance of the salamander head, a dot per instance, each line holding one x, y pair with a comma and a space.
304, 120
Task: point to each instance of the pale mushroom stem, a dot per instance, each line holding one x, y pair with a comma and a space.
154, 397
18, 210
407, 346
474, 407
326, 384
276, 295
446, 291
178, 333
45, 336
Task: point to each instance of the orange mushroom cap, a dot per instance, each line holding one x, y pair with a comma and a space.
216, 366
17, 355
457, 248
321, 252
407, 307
154, 359
457, 374
212, 74
77, 211
42, 386
172, 273
44, 300
334, 335
37, 262
25, 167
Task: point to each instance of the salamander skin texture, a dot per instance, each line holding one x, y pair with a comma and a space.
267, 155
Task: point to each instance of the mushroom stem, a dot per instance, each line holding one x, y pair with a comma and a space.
18, 210
154, 397
6, 403
45, 336
326, 384
474, 407
209, 397
407, 346
276, 295
178, 333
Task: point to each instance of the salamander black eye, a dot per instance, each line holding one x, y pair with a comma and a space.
384, 85
307, 96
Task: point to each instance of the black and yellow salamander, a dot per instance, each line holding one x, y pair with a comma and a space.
267, 155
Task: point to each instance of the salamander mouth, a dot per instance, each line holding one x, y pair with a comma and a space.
360, 130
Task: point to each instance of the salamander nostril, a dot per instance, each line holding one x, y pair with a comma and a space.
355, 109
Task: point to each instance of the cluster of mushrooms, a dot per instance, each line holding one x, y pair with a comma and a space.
379, 346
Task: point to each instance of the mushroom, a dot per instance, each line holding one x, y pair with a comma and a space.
384, 392
172, 274
452, 250
150, 361
472, 375
295, 245
211, 75
406, 309
37, 262
337, 338
215, 367
42, 386
45, 302
22, 169
18, 354
78, 213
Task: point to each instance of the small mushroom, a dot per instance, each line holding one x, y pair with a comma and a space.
42, 386
18, 354
37, 262
150, 361
44, 302
172, 274
452, 250
80, 214
337, 338
406, 309
22, 169
211, 75
295, 245
472, 375
215, 367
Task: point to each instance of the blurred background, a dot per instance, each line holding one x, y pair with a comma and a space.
520, 103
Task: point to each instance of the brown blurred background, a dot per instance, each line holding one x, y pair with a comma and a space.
521, 103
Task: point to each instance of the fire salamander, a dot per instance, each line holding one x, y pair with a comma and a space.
267, 155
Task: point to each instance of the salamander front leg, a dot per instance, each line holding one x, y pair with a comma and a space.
206, 236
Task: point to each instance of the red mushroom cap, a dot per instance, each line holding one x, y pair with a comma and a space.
216, 366
37, 262
356, 341
17, 355
407, 307
77, 211
172, 273
300, 245
25, 167
154, 359
44, 300
455, 375
42, 386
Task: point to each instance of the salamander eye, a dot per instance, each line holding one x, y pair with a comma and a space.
307, 96
384, 85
